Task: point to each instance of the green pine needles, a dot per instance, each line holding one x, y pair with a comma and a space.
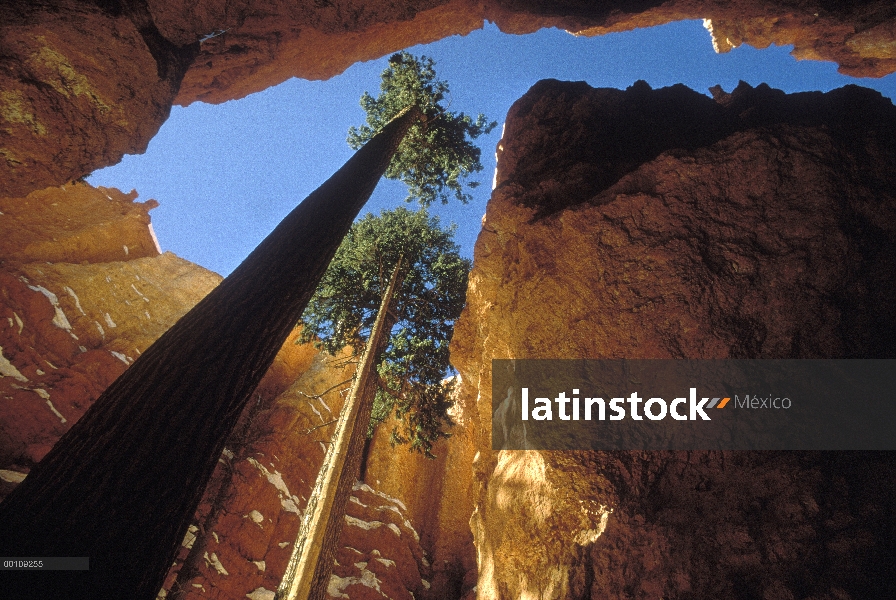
430, 297
434, 159
436, 155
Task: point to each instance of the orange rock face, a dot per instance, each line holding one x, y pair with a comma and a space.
438, 494
251, 513
84, 292
663, 224
759, 226
256, 49
82, 85
77, 223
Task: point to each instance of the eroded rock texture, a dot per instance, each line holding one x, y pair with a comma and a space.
664, 224
251, 514
84, 292
381, 552
81, 84
85, 81
438, 494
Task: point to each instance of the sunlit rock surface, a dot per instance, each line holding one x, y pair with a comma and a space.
249, 522
665, 224
77, 223
84, 292
84, 83
256, 49
250, 517
438, 494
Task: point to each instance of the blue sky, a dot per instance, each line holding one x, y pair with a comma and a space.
226, 174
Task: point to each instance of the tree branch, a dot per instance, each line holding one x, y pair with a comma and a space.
319, 426
326, 391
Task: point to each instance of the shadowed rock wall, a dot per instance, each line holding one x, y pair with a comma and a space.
86, 81
663, 224
766, 234
82, 84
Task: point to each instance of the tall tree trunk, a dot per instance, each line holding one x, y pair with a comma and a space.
122, 485
308, 572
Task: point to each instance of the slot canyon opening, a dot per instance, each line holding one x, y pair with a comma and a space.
212, 168
226, 174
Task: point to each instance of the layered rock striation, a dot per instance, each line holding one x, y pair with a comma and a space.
85, 290
85, 82
247, 524
665, 224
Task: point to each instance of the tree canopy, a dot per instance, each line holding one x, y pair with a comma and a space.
436, 156
425, 306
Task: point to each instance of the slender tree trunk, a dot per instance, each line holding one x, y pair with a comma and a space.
365, 454
308, 572
122, 485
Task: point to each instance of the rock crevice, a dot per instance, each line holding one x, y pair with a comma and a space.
86, 82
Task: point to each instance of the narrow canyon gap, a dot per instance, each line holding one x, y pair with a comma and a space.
649, 533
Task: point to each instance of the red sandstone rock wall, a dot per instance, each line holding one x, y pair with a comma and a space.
81, 87
655, 224
438, 494
258, 49
250, 517
84, 83
84, 291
